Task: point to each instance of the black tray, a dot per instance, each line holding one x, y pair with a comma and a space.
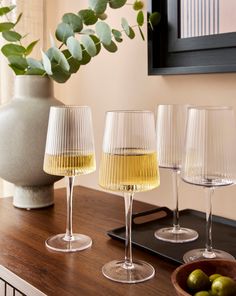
144, 226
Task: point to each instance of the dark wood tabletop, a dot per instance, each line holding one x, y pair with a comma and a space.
23, 251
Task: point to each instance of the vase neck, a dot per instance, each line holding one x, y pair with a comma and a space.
33, 86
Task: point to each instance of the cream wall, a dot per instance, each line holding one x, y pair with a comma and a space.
120, 81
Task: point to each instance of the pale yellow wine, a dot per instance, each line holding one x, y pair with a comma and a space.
132, 172
69, 165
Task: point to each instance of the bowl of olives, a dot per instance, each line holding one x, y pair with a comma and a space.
213, 277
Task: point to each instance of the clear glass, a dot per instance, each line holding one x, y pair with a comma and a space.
69, 152
170, 130
129, 165
209, 161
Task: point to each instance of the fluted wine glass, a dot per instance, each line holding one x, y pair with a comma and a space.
170, 130
69, 152
209, 161
129, 165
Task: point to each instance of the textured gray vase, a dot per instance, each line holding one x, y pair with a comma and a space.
23, 129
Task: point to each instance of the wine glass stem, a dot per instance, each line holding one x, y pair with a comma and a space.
128, 197
175, 181
70, 186
209, 192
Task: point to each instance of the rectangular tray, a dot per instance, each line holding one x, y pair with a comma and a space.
144, 226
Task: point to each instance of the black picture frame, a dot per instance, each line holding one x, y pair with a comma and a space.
169, 54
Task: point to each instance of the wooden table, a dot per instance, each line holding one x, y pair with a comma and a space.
22, 248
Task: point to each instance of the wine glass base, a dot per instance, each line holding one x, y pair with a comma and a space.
201, 254
140, 271
58, 243
183, 235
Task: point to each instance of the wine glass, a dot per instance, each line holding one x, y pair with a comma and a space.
69, 152
170, 130
129, 165
209, 161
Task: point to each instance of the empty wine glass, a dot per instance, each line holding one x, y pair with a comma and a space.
129, 165
69, 152
209, 161
170, 130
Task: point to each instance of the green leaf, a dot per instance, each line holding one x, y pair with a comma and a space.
74, 21
89, 45
125, 26
63, 32
59, 74
6, 26
97, 43
74, 48
99, 6
138, 5
60, 59
111, 47
131, 33
104, 32
154, 18
30, 47
11, 36
18, 62
6, 9
74, 64
86, 57
18, 18
34, 64
46, 63
88, 32
141, 33
102, 16
49, 53
117, 3
140, 18
117, 35
88, 16
35, 71
13, 49
17, 71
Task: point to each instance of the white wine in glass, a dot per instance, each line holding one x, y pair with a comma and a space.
129, 165
69, 152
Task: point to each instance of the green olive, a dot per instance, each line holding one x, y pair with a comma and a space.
202, 293
198, 281
223, 286
214, 276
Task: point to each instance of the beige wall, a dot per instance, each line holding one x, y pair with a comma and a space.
120, 81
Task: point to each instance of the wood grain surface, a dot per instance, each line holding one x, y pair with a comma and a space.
23, 251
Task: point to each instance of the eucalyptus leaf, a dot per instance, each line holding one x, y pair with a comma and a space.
89, 45
102, 16
46, 63
17, 71
117, 3
74, 64
138, 5
117, 35
88, 16
6, 9
88, 32
59, 74
131, 33
74, 21
74, 48
34, 64
97, 43
154, 18
60, 59
7, 26
11, 36
99, 6
18, 62
49, 53
103, 31
18, 18
141, 33
140, 18
86, 57
52, 40
63, 32
35, 71
30, 47
112, 47
13, 49
125, 26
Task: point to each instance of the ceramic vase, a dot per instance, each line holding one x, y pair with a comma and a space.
23, 129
